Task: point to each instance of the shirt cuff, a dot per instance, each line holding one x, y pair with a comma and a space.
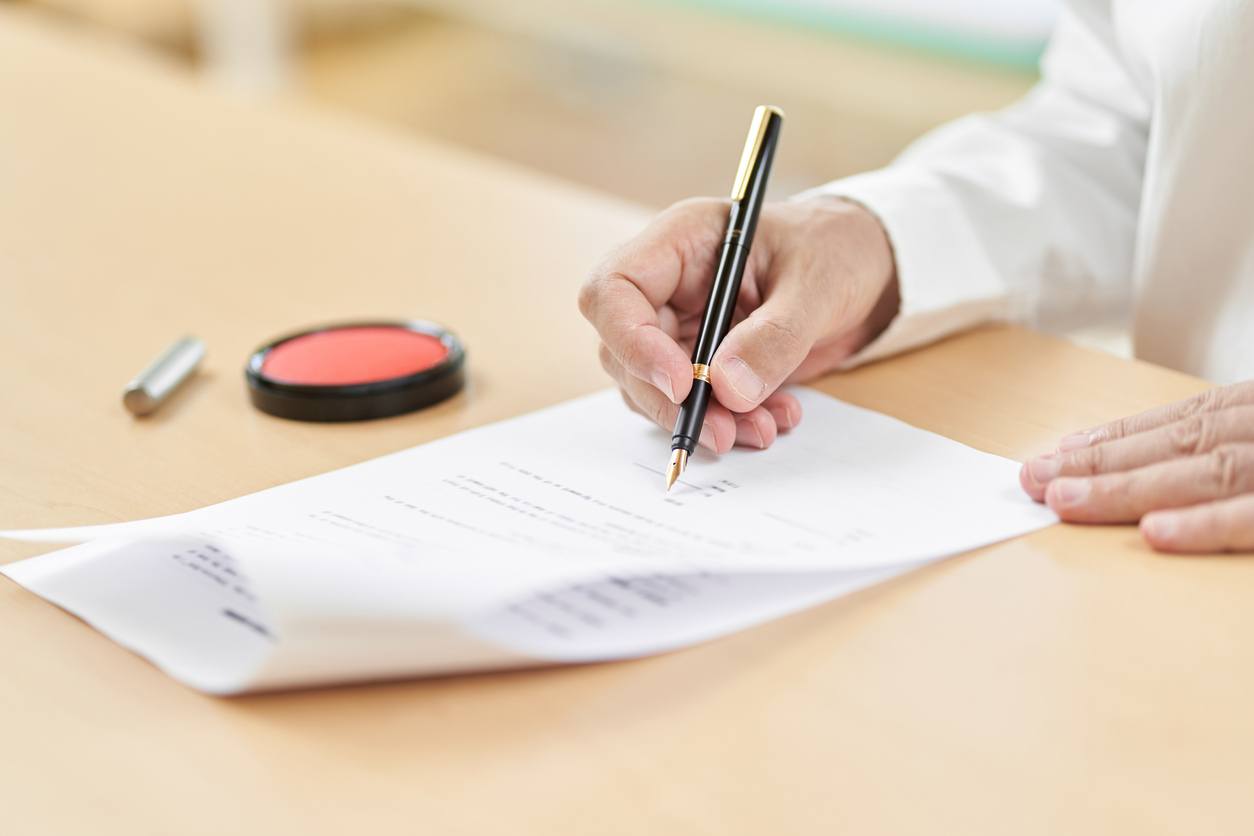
946, 281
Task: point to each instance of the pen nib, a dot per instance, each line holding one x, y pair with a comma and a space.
679, 458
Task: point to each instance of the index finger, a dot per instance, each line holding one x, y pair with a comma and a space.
623, 295
631, 331
1211, 400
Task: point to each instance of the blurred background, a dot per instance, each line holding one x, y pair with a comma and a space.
597, 91
644, 99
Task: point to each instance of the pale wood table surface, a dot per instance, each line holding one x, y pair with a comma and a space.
1068, 682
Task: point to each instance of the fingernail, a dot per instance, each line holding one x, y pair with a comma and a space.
782, 419
663, 382
1161, 527
753, 434
742, 378
1075, 441
1070, 491
1044, 468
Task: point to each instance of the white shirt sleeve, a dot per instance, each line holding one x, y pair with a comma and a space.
1026, 214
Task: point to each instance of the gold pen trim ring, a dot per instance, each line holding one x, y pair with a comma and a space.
700, 371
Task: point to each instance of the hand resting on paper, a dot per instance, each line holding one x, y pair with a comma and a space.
819, 285
1185, 471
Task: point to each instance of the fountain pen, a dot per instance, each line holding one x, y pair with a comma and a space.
748, 193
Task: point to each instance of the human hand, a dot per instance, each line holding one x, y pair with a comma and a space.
1185, 470
819, 284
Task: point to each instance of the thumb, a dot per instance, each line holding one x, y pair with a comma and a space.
759, 354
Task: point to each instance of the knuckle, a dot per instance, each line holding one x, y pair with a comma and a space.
696, 206
692, 216
587, 295
629, 351
592, 292
1209, 431
784, 335
1224, 464
1117, 489
1187, 436
1088, 460
659, 414
1199, 404
1118, 429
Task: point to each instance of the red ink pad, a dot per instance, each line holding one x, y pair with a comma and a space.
356, 371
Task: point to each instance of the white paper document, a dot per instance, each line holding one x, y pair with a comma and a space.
542, 539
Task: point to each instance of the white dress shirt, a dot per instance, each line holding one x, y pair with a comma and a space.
1123, 184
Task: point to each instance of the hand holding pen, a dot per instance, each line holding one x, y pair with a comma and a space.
818, 284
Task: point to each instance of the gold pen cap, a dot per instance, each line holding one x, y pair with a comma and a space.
753, 148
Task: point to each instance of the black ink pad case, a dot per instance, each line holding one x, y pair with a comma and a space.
356, 371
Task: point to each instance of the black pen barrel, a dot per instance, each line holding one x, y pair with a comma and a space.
724, 292
691, 416
748, 195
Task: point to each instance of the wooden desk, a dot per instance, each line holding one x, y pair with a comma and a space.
1069, 682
